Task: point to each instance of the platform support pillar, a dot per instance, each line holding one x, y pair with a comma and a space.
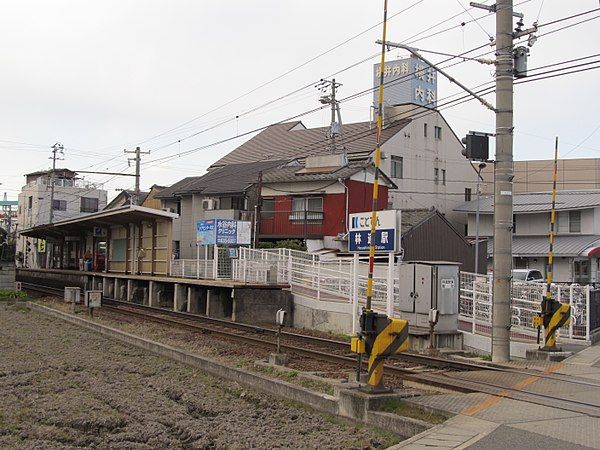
179, 297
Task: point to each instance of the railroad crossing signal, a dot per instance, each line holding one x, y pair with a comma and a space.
380, 338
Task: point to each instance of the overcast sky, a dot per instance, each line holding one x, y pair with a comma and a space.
102, 76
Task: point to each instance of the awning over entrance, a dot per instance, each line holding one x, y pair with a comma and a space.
564, 246
117, 216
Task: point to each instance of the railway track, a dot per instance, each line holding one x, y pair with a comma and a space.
336, 351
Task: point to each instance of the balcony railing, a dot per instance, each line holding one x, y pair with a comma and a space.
291, 224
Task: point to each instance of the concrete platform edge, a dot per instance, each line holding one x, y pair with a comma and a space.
325, 403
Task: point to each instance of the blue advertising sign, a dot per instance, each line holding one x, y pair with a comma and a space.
205, 232
385, 240
223, 231
226, 232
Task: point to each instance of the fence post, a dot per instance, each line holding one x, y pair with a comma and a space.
390, 286
183, 268
215, 262
245, 269
290, 265
339, 274
319, 280
474, 306
587, 314
354, 292
197, 261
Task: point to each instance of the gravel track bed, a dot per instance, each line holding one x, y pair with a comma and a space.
66, 387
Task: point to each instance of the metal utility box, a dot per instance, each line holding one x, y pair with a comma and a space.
93, 299
73, 294
430, 285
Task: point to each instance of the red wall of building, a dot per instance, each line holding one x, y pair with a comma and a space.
360, 196
334, 208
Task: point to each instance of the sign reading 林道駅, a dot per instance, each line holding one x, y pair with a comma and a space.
223, 231
386, 231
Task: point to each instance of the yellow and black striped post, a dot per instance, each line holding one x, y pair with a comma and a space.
553, 313
380, 336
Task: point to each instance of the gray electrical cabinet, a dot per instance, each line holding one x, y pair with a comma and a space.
428, 285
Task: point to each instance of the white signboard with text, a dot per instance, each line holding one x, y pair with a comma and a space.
386, 231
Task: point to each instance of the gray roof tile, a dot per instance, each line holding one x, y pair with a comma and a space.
282, 141
230, 179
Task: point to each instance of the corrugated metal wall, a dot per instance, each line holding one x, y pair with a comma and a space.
435, 240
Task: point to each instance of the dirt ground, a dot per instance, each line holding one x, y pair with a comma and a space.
65, 387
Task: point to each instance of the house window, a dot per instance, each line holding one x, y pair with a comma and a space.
468, 194
267, 210
178, 207
424, 130
29, 202
444, 177
89, 204
397, 166
59, 205
436, 175
574, 221
514, 224
437, 133
307, 208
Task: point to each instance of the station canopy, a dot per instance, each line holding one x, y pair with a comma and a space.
124, 215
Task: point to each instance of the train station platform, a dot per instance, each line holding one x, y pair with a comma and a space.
562, 410
251, 303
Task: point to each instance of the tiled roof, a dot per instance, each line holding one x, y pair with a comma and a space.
538, 245
233, 178
291, 140
413, 217
538, 202
290, 174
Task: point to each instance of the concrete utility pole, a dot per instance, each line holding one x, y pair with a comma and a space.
56, 148
336, 126
503, 183
138, 157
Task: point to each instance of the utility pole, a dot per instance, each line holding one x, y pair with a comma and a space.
503, 183
56, 148
138, 157
335, 129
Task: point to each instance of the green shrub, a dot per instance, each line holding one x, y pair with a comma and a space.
11, 293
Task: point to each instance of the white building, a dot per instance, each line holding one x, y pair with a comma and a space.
577, 241
72, 197
421, 154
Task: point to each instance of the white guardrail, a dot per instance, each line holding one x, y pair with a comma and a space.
345, 280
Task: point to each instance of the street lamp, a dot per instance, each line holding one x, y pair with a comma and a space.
481, 167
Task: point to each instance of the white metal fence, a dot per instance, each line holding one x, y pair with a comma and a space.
475, 306
345, 280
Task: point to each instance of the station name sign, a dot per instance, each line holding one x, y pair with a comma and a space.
386, 231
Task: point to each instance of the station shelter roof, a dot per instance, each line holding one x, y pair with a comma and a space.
117, 216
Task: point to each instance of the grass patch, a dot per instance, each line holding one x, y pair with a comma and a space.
405, 409
11, 294
487, 357
270, 370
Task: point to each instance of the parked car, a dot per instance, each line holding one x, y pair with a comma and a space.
528, 275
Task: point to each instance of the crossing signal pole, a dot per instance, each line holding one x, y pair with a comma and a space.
138, 157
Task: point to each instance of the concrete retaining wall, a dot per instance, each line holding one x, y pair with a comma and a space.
257, 306
320, 315
52, 279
